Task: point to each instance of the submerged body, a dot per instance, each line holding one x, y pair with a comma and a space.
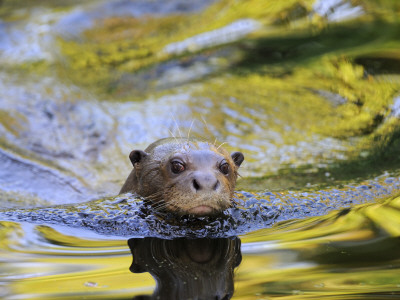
184, 176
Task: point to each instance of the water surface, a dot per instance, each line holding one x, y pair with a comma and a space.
307, 90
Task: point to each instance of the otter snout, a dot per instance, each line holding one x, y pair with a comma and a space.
204, 182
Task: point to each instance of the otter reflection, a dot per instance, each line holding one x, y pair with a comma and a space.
198, 269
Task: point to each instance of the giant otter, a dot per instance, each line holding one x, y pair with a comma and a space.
184, 176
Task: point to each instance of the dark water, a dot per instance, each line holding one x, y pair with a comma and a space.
307, 90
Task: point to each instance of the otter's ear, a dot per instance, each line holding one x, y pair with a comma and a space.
238, 158
136, 156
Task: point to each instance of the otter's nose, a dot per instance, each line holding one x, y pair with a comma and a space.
205, 182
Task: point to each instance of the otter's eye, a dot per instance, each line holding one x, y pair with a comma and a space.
224, 168
177, 167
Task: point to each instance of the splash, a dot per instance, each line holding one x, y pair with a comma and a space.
128, 216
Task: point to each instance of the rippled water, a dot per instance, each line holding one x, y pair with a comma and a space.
307, 90
349, 254
82, 250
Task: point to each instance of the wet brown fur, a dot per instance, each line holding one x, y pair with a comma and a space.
151, 176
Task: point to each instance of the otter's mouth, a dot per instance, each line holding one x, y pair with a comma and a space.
201, 210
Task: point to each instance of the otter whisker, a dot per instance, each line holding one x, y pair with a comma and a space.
160, 202
177, 126
160, 207
161, 210
172, 134
155, 195
221, 145
190, 129
205, 123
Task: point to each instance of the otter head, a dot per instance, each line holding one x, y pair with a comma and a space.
184, 177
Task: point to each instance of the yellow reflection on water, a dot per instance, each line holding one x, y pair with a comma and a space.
58, 266
348, 254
